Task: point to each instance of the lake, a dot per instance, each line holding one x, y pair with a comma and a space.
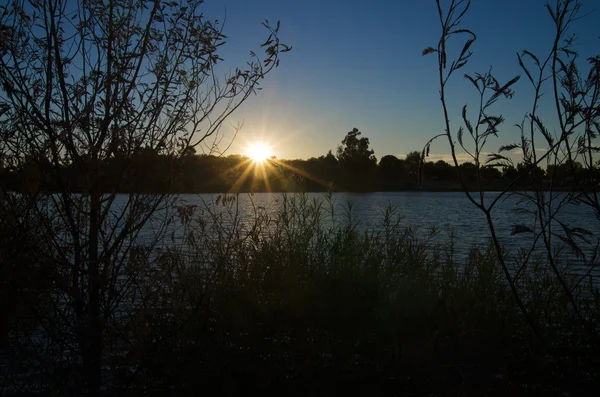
445, 211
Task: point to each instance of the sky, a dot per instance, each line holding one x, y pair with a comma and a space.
359, 64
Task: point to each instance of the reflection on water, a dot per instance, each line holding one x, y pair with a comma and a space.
449, 213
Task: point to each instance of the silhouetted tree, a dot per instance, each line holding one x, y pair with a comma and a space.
329, 159
509, 173
392, 172
469, 172
413, 163
490, 174
574, 86
86, 84
354, 153
443, 171
390, 165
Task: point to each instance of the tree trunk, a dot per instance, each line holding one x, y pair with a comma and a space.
93, 353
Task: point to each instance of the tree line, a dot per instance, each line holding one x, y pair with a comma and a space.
354, 167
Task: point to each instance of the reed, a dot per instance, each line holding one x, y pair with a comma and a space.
289, 298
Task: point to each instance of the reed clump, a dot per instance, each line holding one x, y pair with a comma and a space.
292, 300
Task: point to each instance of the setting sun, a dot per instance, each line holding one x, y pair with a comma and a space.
259, 152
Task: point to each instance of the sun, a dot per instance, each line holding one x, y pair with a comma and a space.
259, 152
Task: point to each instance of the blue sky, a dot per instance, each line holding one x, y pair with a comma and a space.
359, 64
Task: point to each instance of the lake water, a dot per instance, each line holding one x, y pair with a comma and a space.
444, 211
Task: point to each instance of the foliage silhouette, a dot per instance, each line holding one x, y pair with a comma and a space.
354, 154
574, 98
98, 98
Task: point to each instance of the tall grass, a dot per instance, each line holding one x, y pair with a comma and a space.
293, 301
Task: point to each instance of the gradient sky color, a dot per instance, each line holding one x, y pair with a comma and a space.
359, 64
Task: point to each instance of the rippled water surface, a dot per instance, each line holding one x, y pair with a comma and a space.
445, 211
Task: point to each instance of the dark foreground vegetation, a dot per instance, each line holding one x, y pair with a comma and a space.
289, 302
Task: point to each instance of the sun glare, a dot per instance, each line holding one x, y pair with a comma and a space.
259, 152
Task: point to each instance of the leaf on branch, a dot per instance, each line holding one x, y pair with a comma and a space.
579, 230
594, 73
492, 120
510, 83
527, 154
571, 243
428, 51
505, 148
492, 125
571, 234
532, 56
460, 31
465, 54
552, 14
522, 65
472, 80
497, 157
503, 90
540, 125
456, 66
466, 120
581, 146
563, 66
